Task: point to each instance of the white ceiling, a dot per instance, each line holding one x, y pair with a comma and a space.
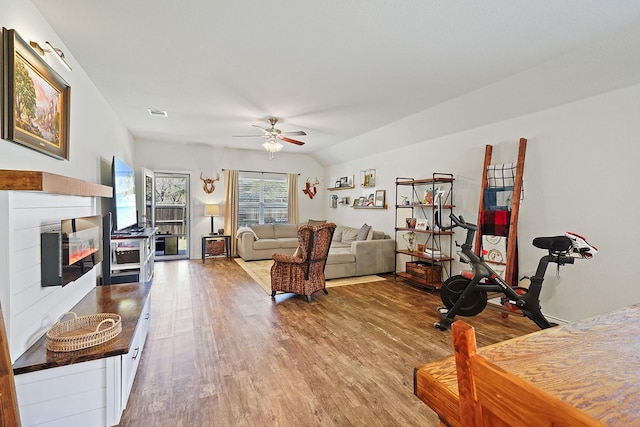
334, 69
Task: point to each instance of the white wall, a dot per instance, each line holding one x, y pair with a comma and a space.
96, 134
208, 160
580, 173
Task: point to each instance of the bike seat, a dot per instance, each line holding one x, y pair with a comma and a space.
554, 244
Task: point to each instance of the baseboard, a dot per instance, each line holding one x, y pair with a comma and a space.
552, 319
557, 320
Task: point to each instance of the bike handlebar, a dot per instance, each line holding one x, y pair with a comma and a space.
459, 222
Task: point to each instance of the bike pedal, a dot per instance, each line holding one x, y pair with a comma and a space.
443, 311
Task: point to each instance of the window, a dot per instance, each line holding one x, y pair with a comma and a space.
263, 198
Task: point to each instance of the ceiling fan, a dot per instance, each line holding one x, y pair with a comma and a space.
273, 135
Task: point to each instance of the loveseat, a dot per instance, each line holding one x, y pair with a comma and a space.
353, 252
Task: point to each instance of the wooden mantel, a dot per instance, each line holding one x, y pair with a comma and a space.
51, 183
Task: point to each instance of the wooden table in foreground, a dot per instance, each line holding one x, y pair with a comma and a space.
593, 365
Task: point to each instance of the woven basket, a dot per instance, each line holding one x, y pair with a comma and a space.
83, 331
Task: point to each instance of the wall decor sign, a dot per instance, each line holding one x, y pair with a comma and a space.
35, 104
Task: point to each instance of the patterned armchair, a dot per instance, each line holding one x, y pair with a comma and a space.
303, 272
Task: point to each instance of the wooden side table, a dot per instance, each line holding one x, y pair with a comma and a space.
216, 237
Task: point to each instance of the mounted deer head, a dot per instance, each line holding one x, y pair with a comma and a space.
310, 188
209, 184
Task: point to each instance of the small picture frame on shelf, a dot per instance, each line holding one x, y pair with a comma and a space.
344, 181
370, 200
422, 224
379, 198
441, 197
368, 178
362, 201
420, 247
356, 202
338, 184
428, 197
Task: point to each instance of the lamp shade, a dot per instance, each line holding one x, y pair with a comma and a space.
211, 210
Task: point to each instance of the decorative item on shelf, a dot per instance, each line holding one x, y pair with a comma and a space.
411, 222
420, 247
343, 201
212, 211
433, 253
333, 201
36, 99
428, 197
379, 199
422, 224
362, 201
370, 200
430, 273
440, 197
221, 231
405, 200
368, 178
410, 238
209, 183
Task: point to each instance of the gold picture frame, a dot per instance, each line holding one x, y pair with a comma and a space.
35, 101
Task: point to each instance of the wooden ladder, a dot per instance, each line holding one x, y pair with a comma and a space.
512, 260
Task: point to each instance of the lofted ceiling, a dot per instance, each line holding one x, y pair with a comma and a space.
333, 69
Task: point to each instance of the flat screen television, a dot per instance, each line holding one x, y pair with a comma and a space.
124, 196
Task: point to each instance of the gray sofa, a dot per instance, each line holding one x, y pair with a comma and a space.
347, 256
261, 241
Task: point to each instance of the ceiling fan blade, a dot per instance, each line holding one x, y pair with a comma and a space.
293, 141
248, 136
296, 132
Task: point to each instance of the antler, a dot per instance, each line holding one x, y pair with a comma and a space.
311, 189
209, 184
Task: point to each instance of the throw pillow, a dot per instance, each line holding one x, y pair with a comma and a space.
314, 222
363, 232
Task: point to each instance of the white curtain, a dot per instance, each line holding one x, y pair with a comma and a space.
231, 206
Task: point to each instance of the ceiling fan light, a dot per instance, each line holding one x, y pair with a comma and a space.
272, 146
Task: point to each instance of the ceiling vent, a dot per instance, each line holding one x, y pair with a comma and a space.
157, 113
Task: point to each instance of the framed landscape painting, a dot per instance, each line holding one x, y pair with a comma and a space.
35, 100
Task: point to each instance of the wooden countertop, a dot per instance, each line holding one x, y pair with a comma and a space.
593, 365
126, 299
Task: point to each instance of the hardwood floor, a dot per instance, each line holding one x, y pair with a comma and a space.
221, 353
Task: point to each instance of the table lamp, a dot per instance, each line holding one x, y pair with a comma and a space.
212, 211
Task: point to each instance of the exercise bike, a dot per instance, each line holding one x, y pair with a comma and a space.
466, 294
